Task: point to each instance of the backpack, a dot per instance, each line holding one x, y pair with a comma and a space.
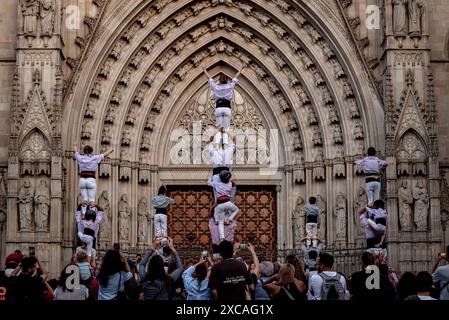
332, 288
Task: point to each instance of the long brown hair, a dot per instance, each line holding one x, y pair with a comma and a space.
299, 270
156, 271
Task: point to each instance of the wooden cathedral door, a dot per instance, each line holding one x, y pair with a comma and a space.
188, 220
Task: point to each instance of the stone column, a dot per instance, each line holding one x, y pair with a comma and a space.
114, 200
330, 223
350, 201
134, 200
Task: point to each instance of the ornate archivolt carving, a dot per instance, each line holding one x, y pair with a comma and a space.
337, 134
358, 130
337, 69
316, 137
106, 136
333, 117
327, 51
292, 43
312, 118
339, 162
318, 171
347, 90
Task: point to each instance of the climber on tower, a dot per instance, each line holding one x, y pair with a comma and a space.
88, 164
223, 92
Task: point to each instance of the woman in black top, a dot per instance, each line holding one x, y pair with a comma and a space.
287, 287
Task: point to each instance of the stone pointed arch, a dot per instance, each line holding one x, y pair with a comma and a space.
136, 84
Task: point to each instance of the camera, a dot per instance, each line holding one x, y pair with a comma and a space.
243, 246
31, 251
117, 247
442, 255
205, 254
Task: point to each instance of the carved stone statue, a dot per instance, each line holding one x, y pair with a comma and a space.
42, 206
103, 202
360, 201
299, 220
405, 206
124, 211
415, 12
421, 206
142, 220
30, 12
25, 201
340, 213
322, 205
400, 18
47, 16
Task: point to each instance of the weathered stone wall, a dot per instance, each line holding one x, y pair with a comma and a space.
8, 25
131, 69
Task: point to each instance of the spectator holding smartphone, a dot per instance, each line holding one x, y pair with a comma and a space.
156, 283
196, 280
440, 275
112, 275
31, 284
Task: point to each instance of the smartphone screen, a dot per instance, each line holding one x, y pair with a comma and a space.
31, 251
117, 247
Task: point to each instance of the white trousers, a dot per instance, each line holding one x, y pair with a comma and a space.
224, 211
160, 225
376, 251
221, 138
223, 117
311, 229
88, 240
373, 191
88, 190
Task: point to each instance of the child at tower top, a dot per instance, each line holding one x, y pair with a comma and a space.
223, 93
372, 166
88, 164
